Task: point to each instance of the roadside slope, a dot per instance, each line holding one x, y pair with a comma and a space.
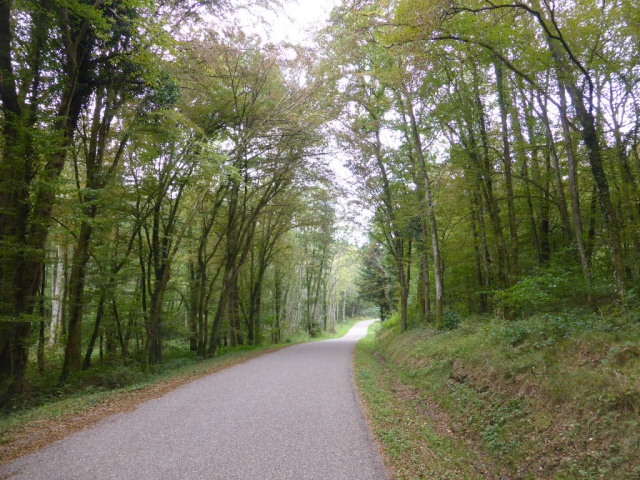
520, 399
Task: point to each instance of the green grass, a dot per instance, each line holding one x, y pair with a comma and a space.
553, 396
416, 436
340, 330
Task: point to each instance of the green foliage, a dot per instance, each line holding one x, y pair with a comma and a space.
110, 377
376, 283
523, 394
370, 312
392, 323
502, 417
163, 94
408, 438
545, 330
450, 320
542, 291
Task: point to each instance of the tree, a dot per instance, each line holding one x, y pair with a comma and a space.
49, 64
376, 282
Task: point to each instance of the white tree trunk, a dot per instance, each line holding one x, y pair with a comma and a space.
57, 291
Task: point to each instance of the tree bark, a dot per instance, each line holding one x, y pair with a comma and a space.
508, 176
428, 202
574, 195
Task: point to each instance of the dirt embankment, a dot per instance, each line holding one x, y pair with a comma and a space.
514, 400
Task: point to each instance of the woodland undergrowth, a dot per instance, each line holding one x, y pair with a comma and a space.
554, 395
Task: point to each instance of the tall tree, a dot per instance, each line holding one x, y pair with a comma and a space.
49, 56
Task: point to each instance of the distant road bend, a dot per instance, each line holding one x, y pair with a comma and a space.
292, 414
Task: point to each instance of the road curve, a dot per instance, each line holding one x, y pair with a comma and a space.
291, 414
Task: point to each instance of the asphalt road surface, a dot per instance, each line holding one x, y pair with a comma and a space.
292, 414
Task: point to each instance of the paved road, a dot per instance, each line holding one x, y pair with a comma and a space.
292, 414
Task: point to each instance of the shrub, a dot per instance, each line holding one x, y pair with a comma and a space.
450, 320
539, 292
117, 376
394, 322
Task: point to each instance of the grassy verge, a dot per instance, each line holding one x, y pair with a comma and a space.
549, 397
104, 391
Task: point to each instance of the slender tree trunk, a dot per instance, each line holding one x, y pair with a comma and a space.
124, 340
40, 351
424, 282
86, 364
591, 234
57, 292
153, 343
573, 188
562, 199
324, 307
482, 307
73, 349
428, 200
508, 177
486, 256
217, 319
545, 246
589, 133
530, 122
194, 306
234, 315
486, 173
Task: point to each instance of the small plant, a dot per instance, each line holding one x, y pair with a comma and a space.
620, 355
392, 323
450, 320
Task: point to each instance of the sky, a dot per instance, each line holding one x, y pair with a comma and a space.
294, 21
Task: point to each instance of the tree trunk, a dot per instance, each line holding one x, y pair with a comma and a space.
545, 245
57, 293
486, 173
86, 364
589, 134
573, 188
562, 199
428, 200
508, 177
73, 349
123, 339
25, 205
40, 351
531, 130
277, 306
482, 307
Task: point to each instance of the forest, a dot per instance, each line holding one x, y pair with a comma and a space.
496, 143
163, 189
166, 180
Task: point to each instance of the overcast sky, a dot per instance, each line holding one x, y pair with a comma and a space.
293, 22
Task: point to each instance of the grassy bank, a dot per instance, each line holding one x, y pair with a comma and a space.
51, 411
555, 396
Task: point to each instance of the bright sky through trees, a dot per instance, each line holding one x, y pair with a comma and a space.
294, 22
